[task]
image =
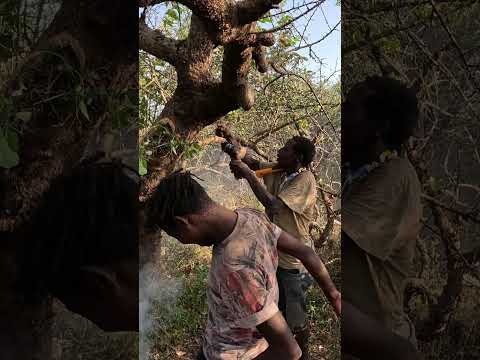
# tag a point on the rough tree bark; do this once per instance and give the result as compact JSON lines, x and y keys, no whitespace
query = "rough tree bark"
{"x":95,"y":44}
{"x":201,"y":99}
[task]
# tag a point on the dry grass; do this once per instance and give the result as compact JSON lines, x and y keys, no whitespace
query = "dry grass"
{"x":76,"y":338}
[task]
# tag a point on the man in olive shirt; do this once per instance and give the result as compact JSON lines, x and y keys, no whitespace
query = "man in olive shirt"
{"x":289,"y":198}
{"x":381,"y":208}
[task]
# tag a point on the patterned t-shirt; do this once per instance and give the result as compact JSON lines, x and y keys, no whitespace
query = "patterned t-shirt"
{"x":242,"y":288}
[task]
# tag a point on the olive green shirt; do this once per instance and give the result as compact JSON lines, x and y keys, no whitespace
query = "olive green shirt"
{"x":381,"y":214}
{"x":299,"y":196}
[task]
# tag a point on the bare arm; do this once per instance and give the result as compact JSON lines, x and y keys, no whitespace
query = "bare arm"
{"x":312,"y":262}
{"x":250,"y":160}
{"x":271,"y":203}
{"x":281,"y":343}
{"x":365,"y":338}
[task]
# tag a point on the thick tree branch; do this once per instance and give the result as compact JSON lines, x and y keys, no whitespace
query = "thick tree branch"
{"x":158,"y":45}
{"x":196,"y":71}
{"x":237,"y":59}
{"x":236,"y":63}
{"x":213,"y":12}
{"x":251,"y":10}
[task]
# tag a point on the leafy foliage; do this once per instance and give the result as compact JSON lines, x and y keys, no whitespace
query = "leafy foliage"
{"x":296,"y":101}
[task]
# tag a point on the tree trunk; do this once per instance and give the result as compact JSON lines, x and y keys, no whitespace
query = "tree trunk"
{"x":200,"y":99}
{"x":89,"y":45}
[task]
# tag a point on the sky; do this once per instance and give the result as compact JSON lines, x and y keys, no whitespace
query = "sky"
{"x":329,"y":50}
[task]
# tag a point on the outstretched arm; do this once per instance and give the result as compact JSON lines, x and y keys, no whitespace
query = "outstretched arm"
{"x":281,"y":343}
{"x":312,"y":262}
{"x":271,"y":203}
{"x":250,"y":160}
{"x":365,"y":338}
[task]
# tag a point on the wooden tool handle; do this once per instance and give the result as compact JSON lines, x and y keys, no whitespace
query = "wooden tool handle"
{"x":264,"y":172}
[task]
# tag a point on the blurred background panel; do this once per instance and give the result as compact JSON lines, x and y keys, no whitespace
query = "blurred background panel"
{"x":68,"y":90}
{"x":433,"y":46}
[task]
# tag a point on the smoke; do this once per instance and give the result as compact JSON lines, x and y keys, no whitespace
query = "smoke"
{"x":154,"y":290}
{"x":212,"y":167}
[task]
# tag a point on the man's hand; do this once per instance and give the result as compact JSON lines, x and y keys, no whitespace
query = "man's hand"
{"x":239,"y":169}
{"x":233,"y":147}
{"x":235,"y":151}
{"x":223,"y":130}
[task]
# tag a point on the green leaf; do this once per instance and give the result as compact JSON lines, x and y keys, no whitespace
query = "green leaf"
{"x":172,"y":13}
{"x":83,"y":109}
{"x":8,"y":157}
{"x":267,"y":20}
{"x":285,"y":19}
{"x":142,"y":166}
{"x":168,"y":22}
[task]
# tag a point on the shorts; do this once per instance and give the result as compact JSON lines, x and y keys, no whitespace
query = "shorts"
{"x":293,"y":285}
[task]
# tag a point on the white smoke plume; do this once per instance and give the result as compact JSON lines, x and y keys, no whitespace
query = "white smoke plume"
{"x":153,"y":288}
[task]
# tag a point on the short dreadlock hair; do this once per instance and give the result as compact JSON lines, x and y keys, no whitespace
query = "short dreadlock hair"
{"x":304,"y":147}
{"x":178,"y":194}
{"x":87,"y":217}
{"x":392,"y":101}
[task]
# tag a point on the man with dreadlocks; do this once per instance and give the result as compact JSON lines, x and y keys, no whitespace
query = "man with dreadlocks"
{"x":381,"y":208}
{"x":244,"y":321}
{"x":83,"y":244}
{"x":289,"y":196}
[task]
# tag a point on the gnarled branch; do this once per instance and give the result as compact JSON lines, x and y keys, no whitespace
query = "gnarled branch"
{"x":252,"y":10}
{"x":157,"y":44}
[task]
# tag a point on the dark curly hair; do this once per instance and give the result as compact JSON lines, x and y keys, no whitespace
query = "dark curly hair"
{"x":305,"y":148}
{"x":395,"y":105}
{"x":178,"y":194}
